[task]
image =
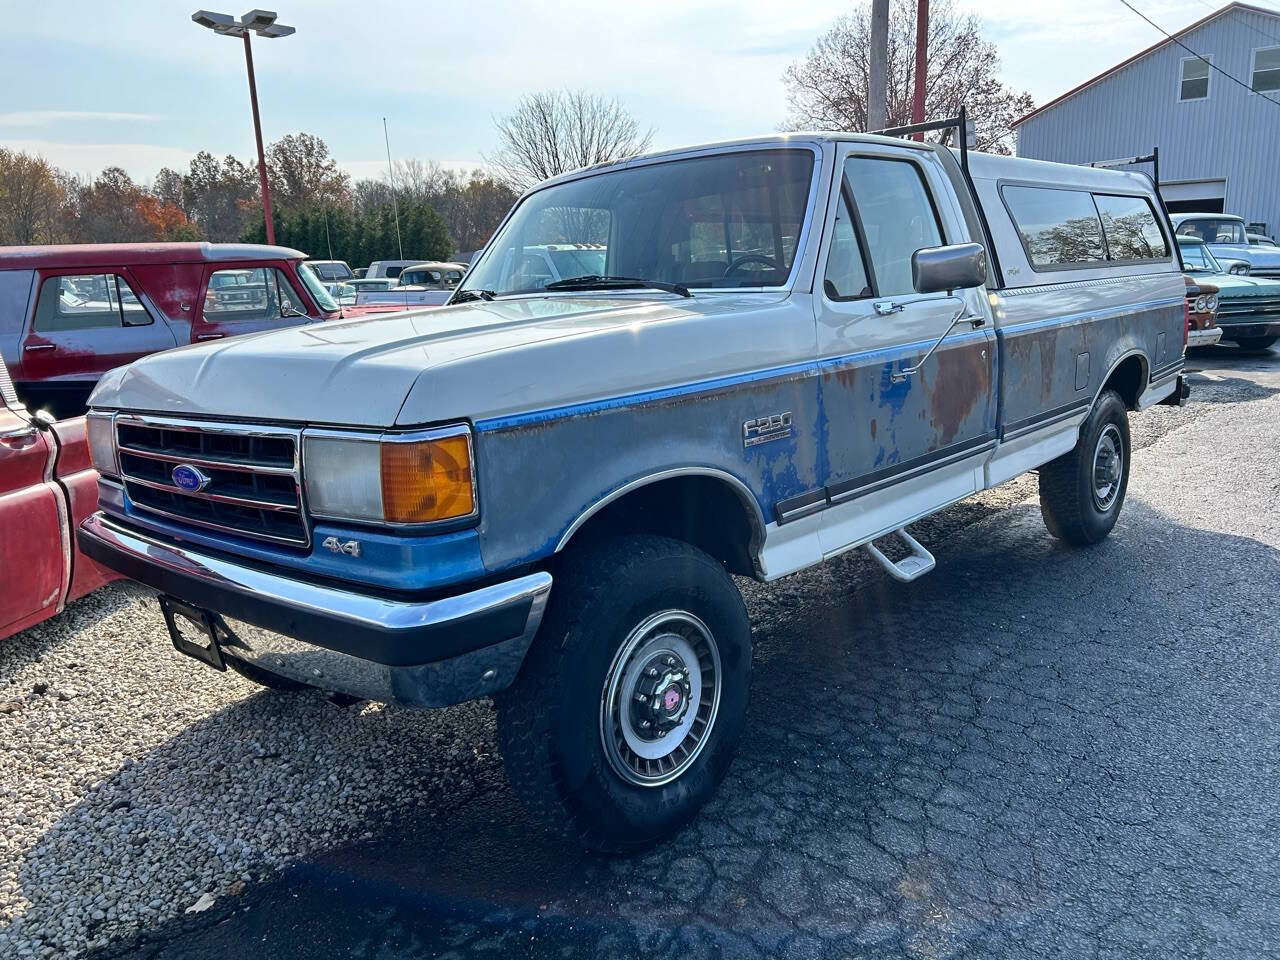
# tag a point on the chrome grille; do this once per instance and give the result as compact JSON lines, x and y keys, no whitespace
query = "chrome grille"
{"x":254,"y":487}
{"x":1248,"y":306}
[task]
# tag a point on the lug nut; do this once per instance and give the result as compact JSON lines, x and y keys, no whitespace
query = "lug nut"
{"x":651,"y":672}
{"x":641,"y":698}
{"x":645,"y":724}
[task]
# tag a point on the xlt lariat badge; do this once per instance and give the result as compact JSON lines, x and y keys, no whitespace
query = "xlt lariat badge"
{"x":764,"y":429}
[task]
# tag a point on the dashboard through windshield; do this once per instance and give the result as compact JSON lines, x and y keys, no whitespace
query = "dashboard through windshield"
{"x":730,"y":220}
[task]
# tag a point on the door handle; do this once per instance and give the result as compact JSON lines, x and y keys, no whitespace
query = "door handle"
{"x":210,"y":336}
{"x":886,"y":307}
{"x":17,"y":433}
{"x":33,"y":347}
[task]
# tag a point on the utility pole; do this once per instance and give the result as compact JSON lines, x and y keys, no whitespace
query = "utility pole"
{"x":877,"y":97}
{"x":922,"y":63}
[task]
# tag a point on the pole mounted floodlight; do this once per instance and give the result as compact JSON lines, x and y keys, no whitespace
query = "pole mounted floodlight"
{"x":263,"y":23}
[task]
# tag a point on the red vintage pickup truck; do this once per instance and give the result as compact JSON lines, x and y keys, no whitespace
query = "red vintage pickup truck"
{"x":70,"y":313}
{"x":47,"y":487}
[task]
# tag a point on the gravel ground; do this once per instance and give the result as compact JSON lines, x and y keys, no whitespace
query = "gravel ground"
{"x":132,"y":794}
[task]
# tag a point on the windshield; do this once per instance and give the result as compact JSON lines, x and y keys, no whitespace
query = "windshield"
{"x":1213,"y":231}
{"x":730,"y":220}
{"x":314,"y":287}
{"x":1196,"y":258}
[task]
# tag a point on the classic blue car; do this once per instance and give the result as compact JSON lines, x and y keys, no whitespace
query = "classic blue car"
{"x":1248,"y":307}
{"x":1227,"y":239}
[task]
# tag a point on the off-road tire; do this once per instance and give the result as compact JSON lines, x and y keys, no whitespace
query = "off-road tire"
{"x":550,"y":722}
{"x":1256,"y":344}
{"x":1067,"y":484}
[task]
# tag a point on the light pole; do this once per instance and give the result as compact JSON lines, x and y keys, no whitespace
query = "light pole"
{"x":263,"y":23}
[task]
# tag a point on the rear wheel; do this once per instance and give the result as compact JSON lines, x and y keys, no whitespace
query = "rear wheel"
{"x":627,"y":712}
{"x":1256,"y":343}
{"x":1081,"y":492}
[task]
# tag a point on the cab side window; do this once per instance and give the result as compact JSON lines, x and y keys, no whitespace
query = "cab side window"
{"x":86,"y":302}
{"x":258,"y":295}
{"x":846,"y":274}
{"x":898,"y":218}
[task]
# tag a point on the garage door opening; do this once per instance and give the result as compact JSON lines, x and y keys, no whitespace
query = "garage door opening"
{"x":1194,"y":196}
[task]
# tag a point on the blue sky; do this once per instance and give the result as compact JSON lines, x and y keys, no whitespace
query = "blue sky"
{"x":139,"y":85}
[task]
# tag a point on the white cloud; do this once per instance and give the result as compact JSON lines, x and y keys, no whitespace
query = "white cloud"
{"x":140,"y":160}
{"x":48,"y":118}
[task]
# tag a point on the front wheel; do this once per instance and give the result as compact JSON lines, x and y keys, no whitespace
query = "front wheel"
{"x":627,"y":712}
{"x":1081,"y":492}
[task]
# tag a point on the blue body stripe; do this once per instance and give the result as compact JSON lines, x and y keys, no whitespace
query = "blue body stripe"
{"x":806,"y":368}
{"x":1088,"y":315}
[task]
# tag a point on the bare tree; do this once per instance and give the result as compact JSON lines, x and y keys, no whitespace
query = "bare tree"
{"x":556,"y":131}
{"x":827,"y":89}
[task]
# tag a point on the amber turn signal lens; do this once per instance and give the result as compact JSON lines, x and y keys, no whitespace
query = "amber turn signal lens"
{"x":427,"y":480}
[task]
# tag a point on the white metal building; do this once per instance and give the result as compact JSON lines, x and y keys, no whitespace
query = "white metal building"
{"x":1219,"y":140}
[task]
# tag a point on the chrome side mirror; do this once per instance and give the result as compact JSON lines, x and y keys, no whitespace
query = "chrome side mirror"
{"x":958,"y":266}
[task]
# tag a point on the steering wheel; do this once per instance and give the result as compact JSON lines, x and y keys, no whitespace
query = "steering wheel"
{"x":769,"y":262}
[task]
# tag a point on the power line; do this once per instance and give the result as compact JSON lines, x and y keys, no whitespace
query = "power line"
{"x":1209,"y":63}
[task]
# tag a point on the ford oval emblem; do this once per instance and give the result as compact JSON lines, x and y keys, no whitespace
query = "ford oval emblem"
{"x":189,"y":478}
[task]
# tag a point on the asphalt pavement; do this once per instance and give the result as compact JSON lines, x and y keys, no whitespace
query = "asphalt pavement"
{"x":1032,"y":752}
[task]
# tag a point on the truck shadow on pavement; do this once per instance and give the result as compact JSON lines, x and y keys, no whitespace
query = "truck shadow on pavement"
{"x":1032,"y":750}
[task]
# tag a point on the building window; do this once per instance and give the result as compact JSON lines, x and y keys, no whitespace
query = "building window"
{"x":1266,"y":69}
{"x":1195,"y":79}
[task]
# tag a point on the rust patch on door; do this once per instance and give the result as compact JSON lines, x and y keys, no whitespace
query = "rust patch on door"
{"x":960,"y":385}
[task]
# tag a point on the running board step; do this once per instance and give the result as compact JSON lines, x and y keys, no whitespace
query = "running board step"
{"x":909,"y":568}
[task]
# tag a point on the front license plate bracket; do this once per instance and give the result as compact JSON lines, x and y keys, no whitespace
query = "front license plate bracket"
{"x":194,"y":631}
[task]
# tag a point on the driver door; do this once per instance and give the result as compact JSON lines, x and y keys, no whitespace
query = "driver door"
{"x":246,"y":299}
{"x":899,"y":446}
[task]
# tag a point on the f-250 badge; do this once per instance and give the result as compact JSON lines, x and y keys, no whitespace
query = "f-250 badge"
{"x":763,"y":429}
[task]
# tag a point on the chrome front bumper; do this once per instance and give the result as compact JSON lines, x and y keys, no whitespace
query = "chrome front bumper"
{"x":426,"y":653}
{"x":1204,"y":338}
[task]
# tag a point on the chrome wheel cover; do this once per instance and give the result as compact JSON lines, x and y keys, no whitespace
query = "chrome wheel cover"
{"x":1108,"y":467}
{"x":660,"y":698}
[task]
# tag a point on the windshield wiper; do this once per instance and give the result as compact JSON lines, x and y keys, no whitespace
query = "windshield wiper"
{"x":595,"y":281}
{"x":466,"y":296}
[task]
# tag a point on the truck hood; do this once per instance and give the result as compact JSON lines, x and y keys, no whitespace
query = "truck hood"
{"x":1256,"y":256}
{"x":1232,"y":286}
{"x":471,"y":361}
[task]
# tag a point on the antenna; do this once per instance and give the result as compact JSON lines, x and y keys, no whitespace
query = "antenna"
{"x":327,"y":239}
{"x":391,"y":178}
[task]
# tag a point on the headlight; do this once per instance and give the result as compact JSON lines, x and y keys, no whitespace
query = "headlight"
{"x":1212,"y":304}
{"x":389,"y":478}
{"x":1202,"y":304}
{"x":100,"y":428}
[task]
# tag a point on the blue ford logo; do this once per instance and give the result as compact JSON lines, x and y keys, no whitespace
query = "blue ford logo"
{"x":189,"y":478}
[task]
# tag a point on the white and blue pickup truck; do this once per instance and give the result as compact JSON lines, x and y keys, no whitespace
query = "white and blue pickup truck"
{"x":789,"y":347}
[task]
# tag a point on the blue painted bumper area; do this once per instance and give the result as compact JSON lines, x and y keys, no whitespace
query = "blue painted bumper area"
{"x":390,"y":561}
